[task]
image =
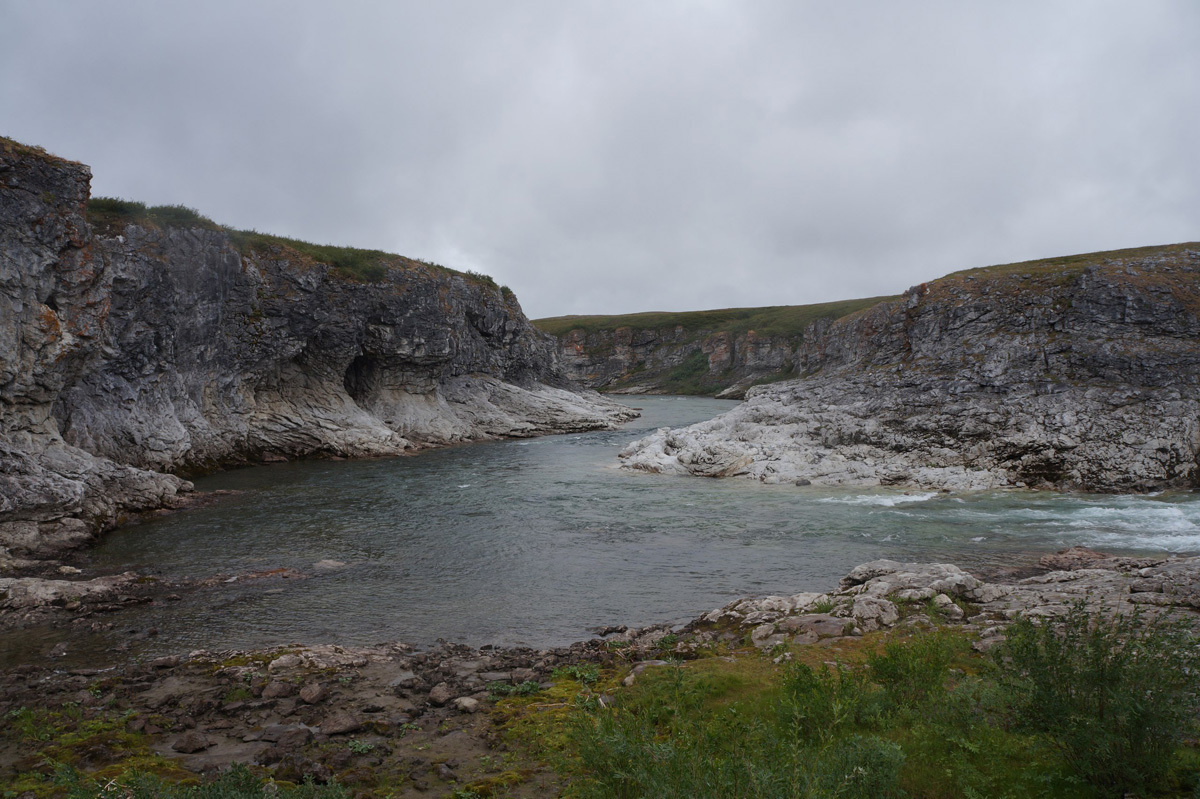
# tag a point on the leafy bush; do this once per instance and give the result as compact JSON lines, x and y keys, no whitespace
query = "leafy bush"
{"x":586,"y":673}
{"x":914,"y":670}
{"x":818,"y":704}
{"x":1116,"y":693}
{"x":857,"y":767}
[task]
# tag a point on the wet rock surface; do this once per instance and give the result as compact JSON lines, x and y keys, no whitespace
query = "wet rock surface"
{"x":1082,"y":373}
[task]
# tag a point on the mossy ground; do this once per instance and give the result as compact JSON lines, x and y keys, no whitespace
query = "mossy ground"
{"x":911,"y":712}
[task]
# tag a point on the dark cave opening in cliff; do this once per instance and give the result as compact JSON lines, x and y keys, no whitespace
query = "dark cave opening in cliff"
{"x":359,"y":376}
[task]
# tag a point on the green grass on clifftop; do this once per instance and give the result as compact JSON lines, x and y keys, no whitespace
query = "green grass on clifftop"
{"x":113,"y":214}
{"x":776,"y":320}
{"x":1072,"y":263}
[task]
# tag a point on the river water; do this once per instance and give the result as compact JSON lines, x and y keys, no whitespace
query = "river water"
{"x":536,"y":541}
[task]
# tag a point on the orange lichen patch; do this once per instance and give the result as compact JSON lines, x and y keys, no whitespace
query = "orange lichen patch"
{"x":49,"y":323}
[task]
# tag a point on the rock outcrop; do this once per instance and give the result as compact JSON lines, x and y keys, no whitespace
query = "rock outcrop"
{"x":1076,"y":373}
{"x":132,"y":353}
{"x":884,"y":593}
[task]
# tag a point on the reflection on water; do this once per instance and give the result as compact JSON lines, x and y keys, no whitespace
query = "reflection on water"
{"x":535,"y":541}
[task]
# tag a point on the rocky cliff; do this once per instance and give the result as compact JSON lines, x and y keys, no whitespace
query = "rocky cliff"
{"x":133,"y":351}
{"x":1072,"y":373}
{"x":721,"y":352}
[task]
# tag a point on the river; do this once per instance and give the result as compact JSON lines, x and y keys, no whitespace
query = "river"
{"x":536,"y":541}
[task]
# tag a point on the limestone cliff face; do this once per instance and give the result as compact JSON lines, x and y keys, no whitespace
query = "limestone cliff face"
{"x":151,"y":350}
{"x":627,"y":360}
{"x":1080,"y":373}
{"x":719,"y":352}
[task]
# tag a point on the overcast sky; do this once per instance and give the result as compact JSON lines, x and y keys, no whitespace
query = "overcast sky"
{"x":610,"y":157}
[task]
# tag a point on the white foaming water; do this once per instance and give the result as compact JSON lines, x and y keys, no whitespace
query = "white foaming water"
{"x":1145,"y":516}
{"x":1138,"y":524}
{"x":882,"y":500}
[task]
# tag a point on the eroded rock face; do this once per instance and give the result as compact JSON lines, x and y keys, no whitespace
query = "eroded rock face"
{"x":1083,"y":374}
{"x":126,"y":356}
{"x":214,"y":357}
{"x":627,"y":360}
{"x":54,"y":301}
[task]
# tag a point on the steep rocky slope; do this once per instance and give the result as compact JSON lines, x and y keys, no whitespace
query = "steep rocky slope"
{"x":1072,"y":373}
{"x":721,"y":352}
{"x":138,"y":349}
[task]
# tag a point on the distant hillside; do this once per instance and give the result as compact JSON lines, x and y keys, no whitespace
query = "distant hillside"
{"x":724,"y":352}
{"x":693,"y":352}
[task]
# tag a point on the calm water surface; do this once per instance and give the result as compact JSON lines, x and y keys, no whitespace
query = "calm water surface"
{"x":536,"y":541}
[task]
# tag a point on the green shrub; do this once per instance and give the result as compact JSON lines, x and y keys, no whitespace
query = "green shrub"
{"x":914,"y":670}
{"x":479,"y":277}
{"x":1116,"y":694}
{"x":586,"y":673}
{"x":819,"y":703}
{"x":500,"y":690}
{"x":857,"y":767}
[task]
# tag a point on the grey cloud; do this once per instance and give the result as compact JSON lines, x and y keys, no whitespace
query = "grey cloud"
{"x":614,"y":157}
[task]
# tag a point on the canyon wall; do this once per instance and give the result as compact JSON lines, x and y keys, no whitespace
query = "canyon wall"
{"x":1074,"y":373}
{"x":132,"y":354}
{"x":720,"y":353}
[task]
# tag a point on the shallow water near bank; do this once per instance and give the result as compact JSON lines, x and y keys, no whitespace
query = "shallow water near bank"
{"x":536,"y":541}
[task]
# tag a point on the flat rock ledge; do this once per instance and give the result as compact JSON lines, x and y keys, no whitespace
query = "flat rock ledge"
{"x":886,"y":593}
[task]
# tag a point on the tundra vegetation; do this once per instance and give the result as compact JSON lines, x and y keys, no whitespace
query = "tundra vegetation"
{"x":1088,"y":705}
{"x":111,"y":214}
{"x":778,"y":320}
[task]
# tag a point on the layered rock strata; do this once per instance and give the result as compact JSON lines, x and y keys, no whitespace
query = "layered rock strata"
{"x":721,"y":352}
{"x":1079,"y":373}
{"x":130,"y":355}
{"x":627,"y":360}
